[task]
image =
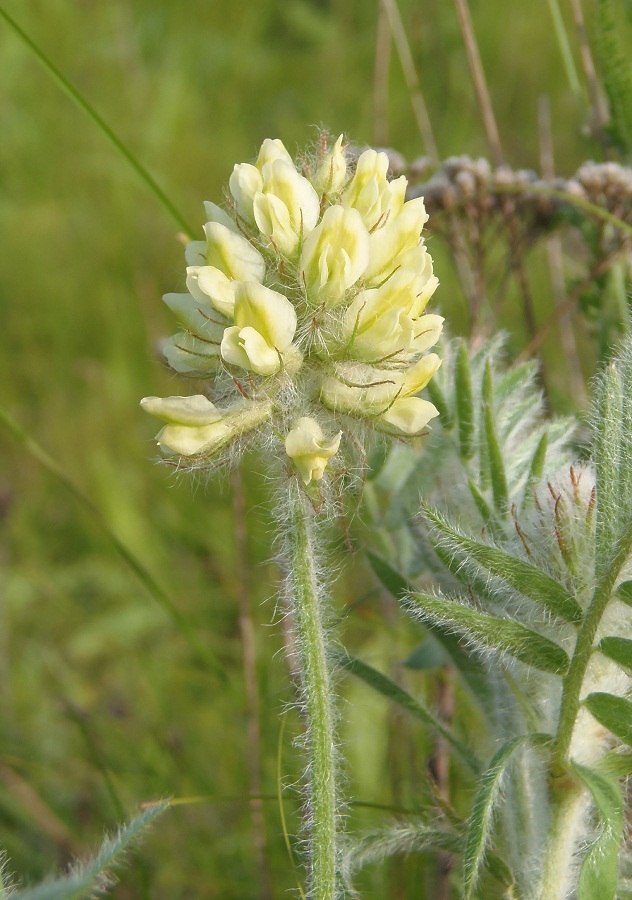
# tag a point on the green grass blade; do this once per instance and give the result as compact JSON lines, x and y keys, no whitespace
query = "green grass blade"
{"x":616,"y":73}
{"x":94,"y":116}
{"x":481,"y":820}
{"x":144,"y":576}
{"x":565,"y":50}
{"x":617,"y":649}
{"x":93,"y":874}
{"x":599,"y":874}
{"x":492,"y":633}
{"x":520,"y":575}
{"x":390,"y":689}
{"x":614,"y":713}
{"x":467,"y":664}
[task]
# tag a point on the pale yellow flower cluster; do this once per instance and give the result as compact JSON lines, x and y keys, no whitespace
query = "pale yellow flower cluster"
{"x":305,"y":305}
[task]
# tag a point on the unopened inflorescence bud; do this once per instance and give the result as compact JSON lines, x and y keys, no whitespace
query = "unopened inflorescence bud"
{"x":305,"y":306}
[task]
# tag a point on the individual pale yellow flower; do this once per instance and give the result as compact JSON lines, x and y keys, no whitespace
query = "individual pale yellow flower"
{"x":309,"y":449}
{"x":228,"y":251}
{"x":397,"y":242}
{"x":286,"y":208}
{"x":335,"y":255}
{"x":388,"y":321}
{"x":195,"y":426}
{"x":361,"y":390}
{"x":265,"y":324}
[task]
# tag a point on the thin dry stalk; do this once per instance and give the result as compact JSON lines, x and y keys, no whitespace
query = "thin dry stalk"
{"x":478,"y":77}
{"x":420,"y":109}
{"x":247,"y":632}
{"x":380,"y":78}
{"x":599,"y":110}
{"x":599,"y":269}
{"x":555,"y":255}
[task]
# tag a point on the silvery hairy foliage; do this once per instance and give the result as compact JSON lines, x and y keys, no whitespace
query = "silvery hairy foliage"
{"x":517,"y":566}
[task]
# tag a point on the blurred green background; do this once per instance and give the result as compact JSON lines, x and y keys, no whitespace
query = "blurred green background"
{"x":102,"y":703}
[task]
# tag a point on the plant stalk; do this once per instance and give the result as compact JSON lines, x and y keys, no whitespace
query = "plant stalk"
{"x":574,"y":678}
{"x":305,"y":597}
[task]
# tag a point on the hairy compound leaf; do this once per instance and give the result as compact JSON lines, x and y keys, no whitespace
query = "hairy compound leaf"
{"x":465,"y":403}
{"x":402,"y":837}
{"x":614,"y":713}
{"x":467,"y":664}
{"x":481,"y":820}
{"x":607,"y":456}
{"x":617,"y":649}
{"x":520,"y":575}
{"x":485,"y":631}
{"x":490,"y":521}
{"x":92,"y":876}
{"x":600,"y":870}
{"x":388,"y":688}
{"x":494,"y":453}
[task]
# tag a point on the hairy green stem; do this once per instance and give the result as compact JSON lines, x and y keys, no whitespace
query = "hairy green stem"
{"x":568,"y":804}
{"x":583,"y":648}
{"x":305,"y":598}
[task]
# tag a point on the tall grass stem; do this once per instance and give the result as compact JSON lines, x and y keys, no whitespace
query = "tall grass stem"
{"x":92,"y":114}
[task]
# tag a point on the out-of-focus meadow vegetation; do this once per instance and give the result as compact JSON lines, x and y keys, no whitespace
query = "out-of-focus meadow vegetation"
{"x":103,"y":704}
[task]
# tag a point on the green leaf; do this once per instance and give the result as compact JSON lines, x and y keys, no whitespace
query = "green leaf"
{"x":437,"y":397}
{"x":401,"y":837}
{"x":92,"y":875}
{"x":624,"y":592}
{"x":486,"y":514}
{"x":616,"y":763}
{"x":464,"y":403}
{"x":481,"y":820}
{"x":599,"y":873}
{"x":522,"y":576}
{"x":536,"y":469}
{"x":614,"y":713}
{"x":496,"y":464}
{"x":617,"y":649}
{"x":503,"y":635}
{"x":468,"y":665}
{"x":388,"y":688}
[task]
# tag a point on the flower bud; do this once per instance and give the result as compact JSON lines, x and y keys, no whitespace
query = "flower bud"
{"x":331,"y":174}
{"x":376,"y":199}
{"x":309,"y":449}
